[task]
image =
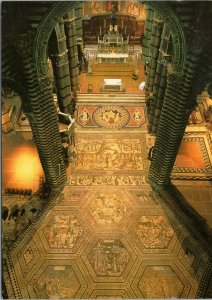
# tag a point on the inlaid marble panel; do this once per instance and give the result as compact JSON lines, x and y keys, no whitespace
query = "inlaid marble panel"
{"x":194,"y":157}
{"x":154,"y":232}
{"x":160,"y":282}
{"x":109,"y":257}
{"x":109,"y":154}
{"x":56,"y":282}
{"x":108,"y":209}
{"x":110,"y":116}
{"x":113,"y":180}
{"x":63,"y":231}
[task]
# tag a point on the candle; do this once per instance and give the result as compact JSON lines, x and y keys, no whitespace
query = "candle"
{"x":100,"y":30}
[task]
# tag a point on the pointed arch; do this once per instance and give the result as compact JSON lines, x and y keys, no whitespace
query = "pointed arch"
{"x":58,"y":10}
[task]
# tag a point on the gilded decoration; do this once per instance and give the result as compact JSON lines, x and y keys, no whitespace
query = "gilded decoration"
{"x":160,"y":282}
{"x":63,"y":231}
{"x":109,"y":257}
{"x":109,"y":154}
{"x":108,"y":209}
{"x":154,"y":232}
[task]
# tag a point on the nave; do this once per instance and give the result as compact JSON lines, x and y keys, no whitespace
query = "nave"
{"x":108,"y":234}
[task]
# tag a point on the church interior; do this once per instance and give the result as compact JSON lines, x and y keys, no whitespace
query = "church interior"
{"x":106,"y":149}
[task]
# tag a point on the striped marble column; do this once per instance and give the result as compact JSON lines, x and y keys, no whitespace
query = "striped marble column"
{"x":71,"y":38}
{"x":60,"y":64}
{"x":78,"y":20}
{"x":157,"y":28}
{"x":173,"y":120}
{"x":147,"y":35}
{"x":43,"y":121}
{"x":160,"y":81}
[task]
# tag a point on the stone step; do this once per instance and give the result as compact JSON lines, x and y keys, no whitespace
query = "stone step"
{"x":90,"y":95}
{"x":111,"y":98}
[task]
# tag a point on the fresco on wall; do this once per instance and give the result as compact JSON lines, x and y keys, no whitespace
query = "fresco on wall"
{"x":122,"y":7}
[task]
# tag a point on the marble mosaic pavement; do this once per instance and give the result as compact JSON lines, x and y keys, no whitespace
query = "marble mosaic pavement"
{"x":108,"y":234}
{"x":100,"y":242}
{"x":110,"y":116}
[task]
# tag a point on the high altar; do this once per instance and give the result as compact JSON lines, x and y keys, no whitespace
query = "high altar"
{"x":112,"y":47}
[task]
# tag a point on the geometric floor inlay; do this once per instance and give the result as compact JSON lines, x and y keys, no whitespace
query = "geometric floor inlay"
{"x":107,"y":234}
{"x":110,"y":116}
{"x":193,"y":159}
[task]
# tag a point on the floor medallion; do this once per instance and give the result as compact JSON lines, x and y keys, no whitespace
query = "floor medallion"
{"x":111,"y":116}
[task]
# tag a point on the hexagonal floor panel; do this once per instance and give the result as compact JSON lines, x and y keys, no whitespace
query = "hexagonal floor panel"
{"x":95,"y":240}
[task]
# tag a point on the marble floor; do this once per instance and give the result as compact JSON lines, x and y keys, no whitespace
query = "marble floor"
{"x":108,"y":234}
